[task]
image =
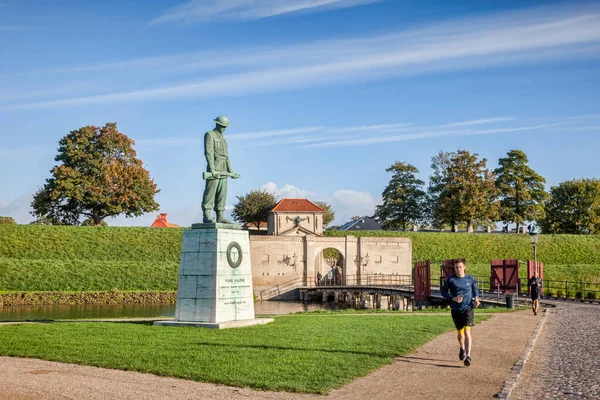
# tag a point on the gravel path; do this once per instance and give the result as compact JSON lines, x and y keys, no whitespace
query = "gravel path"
{"x":565,"y":362}
{"x":433,"y":371}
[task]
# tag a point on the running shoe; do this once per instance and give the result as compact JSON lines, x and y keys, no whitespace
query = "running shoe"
{"x":461,"y":354}
{"x":467,"y":361}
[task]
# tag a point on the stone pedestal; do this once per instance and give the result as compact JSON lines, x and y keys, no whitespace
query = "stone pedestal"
{"x":215,"y":279}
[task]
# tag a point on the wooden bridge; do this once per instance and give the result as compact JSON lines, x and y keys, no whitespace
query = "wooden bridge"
{"x":357,"y":291}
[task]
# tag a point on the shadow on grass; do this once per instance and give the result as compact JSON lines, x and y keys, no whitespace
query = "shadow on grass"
{"x":269,"y":347}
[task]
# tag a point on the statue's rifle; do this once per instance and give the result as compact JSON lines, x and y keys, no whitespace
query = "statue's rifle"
{"x":218,"y":175}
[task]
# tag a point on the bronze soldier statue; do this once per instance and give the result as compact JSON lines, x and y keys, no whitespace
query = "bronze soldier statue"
{"x":218,"y":169}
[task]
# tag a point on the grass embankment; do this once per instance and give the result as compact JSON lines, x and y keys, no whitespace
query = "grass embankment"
{"x":63,"y":258}
{"x":328,"y":350}
{"x":565,"y":257}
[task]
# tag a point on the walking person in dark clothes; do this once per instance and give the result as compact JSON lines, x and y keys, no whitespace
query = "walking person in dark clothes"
{"x":536,"y":287}
{"x":461,"y":289}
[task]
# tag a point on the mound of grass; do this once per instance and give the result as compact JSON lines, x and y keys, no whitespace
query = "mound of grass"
{"x":96,"y":243}
{"x":81,"y":275}
{"x":71,"y":258}
{"x":481,"y":248}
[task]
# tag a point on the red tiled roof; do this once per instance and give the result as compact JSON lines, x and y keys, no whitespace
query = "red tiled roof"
{"x":161,"y":222}
{"x":296,"y":205}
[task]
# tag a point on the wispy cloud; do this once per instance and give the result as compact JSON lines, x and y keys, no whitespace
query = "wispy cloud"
{"x":476,"y":122}
{"x":206,"y":10}
{"x":272,"y":133}
{"x":426,"y":133}
{"x":340,"y":136}
{"x":540,"y":35}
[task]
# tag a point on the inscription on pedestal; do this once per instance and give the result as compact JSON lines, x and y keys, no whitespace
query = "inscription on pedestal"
{"x":215,"y":277}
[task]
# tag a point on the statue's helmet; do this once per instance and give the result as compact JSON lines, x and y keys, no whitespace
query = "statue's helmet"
{"x":221,"y":120}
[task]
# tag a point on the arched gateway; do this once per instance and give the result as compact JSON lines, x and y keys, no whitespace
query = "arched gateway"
{"x":289,"y":254}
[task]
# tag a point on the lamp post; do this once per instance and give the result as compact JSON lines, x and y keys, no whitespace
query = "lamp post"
{"x":534,"y":241}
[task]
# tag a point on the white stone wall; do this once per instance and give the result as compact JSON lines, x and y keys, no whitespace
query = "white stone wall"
{"x":386,"y":255}
{"x":271,"y":257}
{"x":270,"y":263}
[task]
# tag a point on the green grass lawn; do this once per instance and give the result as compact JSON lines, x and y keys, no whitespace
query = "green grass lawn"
{"x":297,"y":353}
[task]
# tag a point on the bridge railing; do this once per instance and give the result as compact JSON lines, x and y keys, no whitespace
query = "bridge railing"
{"x":563,"y":289}
{"x":281,"y":288}
{"x":568,"y":289}
{"x":363,"y":280}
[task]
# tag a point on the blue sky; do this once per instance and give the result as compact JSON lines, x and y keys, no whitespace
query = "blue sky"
{"x":322,"y":95}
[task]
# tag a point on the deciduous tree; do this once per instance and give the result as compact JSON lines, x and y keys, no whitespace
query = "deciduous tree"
{"x":98,"y":176}
{"x":574,"y":207}
{"x":404,"y":199}
{"x":254,"y":207}
{"x":437,"y":181}
{"x":469,"y":193}
{"x":328,"y":215}
{"x":522,"y":193}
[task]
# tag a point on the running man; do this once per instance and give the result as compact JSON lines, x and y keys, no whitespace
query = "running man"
{"x":536,"y":287}
{"x":461,"y":289}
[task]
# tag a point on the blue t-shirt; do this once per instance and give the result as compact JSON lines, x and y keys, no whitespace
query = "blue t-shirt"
{"x":465,"y":286}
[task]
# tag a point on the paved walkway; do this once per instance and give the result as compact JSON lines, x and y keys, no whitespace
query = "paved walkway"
{"x":565,"y":362}
{"x":433,"y":371}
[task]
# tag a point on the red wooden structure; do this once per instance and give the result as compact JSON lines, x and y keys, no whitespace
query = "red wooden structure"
{"x":422,"y":280}
{"x":504,"y":275}
{"x":530,"y":270}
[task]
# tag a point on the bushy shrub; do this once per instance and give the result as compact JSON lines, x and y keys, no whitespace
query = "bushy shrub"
{"x":591,"y":295}
{"x":7,"y":221}
{"x":90,"y":222}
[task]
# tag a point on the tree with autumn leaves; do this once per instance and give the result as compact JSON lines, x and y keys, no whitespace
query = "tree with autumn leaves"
{"x":461,"y":189}
{"x":467,"y":192}
{"x":98,"y":176}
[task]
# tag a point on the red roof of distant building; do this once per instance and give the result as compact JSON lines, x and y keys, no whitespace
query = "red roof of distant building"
{"x":161,"y":222}
{"x":296,"y":205}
